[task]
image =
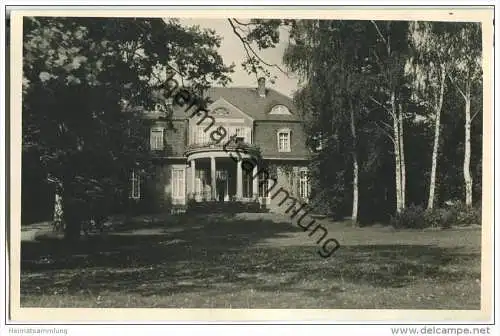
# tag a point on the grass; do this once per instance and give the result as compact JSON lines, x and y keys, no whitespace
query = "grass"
{"x":253,"y":261}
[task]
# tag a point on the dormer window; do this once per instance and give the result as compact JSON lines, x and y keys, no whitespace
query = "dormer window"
{"x":280,"y":109}
{"x":156,"y":138}
{"x":284,"y":140}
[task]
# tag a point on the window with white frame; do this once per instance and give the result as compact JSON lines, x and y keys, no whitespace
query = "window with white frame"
{"x":284,"y":140}
{"x":241,"y":133}
{"x":135,"y":190}
{"x":178,"y":183}
{"x":304,"y":186}
{"x":263,"y":184}
{"x":156,"y":138}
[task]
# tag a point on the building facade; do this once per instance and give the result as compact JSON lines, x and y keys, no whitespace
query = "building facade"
{"x":247,"y":144}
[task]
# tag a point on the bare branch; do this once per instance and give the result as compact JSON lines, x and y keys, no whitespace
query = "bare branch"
{"x":389,"y":135}
{"x":243,"y":24}
{"x":377,"y":58}
{"x":385,"y":124}
{"x":382,"y":105}
{"x":474,"y":115}
{"x":243,"y":41}
{"x":249,"y":49}
{"x":457,"y":86}
{"x":381,"y":65}
{"x":380,"y":34}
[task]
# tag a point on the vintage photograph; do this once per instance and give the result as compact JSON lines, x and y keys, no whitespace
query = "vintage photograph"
{"x":251,"y":163}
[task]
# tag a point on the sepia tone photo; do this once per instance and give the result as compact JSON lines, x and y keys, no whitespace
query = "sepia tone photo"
{"x":251,"y":163}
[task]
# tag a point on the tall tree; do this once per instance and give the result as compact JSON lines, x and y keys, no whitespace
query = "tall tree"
{"x":86,"y":82}
{"x":431,"y":46}
{"x":466,"y":73}
{"x":331,"y":58}
{"x":389,"y":55}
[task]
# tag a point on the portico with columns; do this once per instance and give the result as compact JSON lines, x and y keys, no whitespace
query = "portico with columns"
{"x":222,"y":176}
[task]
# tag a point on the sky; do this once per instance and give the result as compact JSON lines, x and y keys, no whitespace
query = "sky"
{"x":232,"y":51}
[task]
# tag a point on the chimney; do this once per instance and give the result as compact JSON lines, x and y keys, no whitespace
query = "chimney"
{"x":261,"y":89}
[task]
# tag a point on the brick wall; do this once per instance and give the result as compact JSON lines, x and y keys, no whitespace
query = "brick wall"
{"x":265,"y":135}
{"x":174,"y":138}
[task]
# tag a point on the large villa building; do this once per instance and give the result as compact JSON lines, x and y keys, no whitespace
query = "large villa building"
{"x":246,"y":146}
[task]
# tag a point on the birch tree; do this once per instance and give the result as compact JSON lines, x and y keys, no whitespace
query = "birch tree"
{"x":466,"y":72}
{"x":329,"y":56}
{"x":387,"y":63}
{"x":430,"y":41}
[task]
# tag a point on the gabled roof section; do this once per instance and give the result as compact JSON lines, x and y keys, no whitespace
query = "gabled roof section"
{"x":259,"y":108}
{"x":230,"y":109}
{"x":248,"y":102}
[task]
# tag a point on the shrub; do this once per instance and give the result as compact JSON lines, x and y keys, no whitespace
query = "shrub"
{"x":438,"y":218}
{"x":417,"y":217}
{"x":412,"y":217}
{"x":465,"y":215}
{"x":324,"y":203}
{"x":433,"y":218}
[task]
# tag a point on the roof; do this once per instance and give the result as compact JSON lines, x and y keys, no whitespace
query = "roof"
{"x":247,"y":100}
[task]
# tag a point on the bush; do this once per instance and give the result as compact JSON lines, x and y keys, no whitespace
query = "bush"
{"x":465,"y":215}
{"x":438,"y":218}
{"x":412,"y":217}
{"x":417,"y":217}
{"x":324,"y":203}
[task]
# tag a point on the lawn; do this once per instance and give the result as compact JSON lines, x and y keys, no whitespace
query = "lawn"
{"x":253,"y":261}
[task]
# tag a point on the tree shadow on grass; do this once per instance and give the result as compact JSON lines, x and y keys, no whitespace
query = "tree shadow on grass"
{"x":223,"y":255}
{"x":190,"y":237}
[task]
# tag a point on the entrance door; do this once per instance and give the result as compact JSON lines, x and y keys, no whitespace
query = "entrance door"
{"x":222,"y":185}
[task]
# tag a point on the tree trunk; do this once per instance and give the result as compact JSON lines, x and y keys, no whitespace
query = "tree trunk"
{"x":355,"y":171}
{"x":402,"y":157}
{"x":58,"y":218}
{"x":467,"y":151}
{"x":435,"y":148}
{"x":397,"y":153}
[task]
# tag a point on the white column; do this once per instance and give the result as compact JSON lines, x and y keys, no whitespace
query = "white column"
{"x":193,"y":178}
{"x":213,"y":176}
{"x":239,"y":181}
{"x":226,"y":197}
{"x":255,"y":180}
